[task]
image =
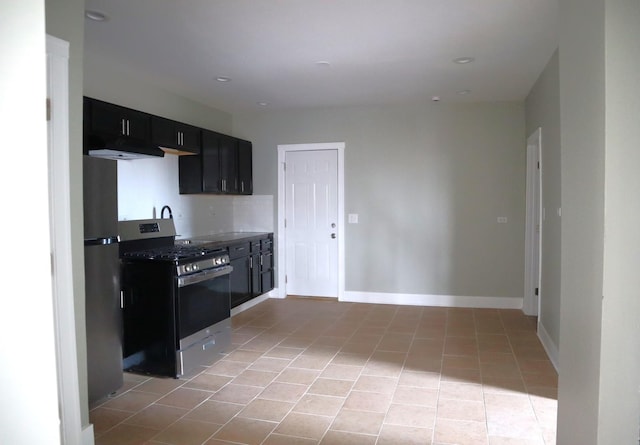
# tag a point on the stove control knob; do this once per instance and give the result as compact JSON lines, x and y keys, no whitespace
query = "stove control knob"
{"x":187,"y":267}
{"x":195,"y":267}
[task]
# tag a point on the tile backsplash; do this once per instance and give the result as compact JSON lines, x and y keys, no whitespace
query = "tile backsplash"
{"x":146,"y":185}
{"x":208,"y":215}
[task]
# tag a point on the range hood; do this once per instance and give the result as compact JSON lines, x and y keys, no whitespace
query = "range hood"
{"x":122,"y":148}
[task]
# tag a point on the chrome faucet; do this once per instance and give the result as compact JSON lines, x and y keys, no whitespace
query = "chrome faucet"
{"x":162,"y":212}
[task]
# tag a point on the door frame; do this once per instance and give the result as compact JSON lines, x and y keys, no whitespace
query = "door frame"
{"x":339,"y":147}
{"x":534,"y":217}
{"x":60,"y":229}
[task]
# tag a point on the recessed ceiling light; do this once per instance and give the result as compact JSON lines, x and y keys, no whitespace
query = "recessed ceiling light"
{"x":323,"y":64}
{"x":263,"y":104}
{"x":96,"y":16}
{"x":436,"y":98}
{"x":223,"y":79}
{"x":464,"y":92}
{"x":463,"y":60}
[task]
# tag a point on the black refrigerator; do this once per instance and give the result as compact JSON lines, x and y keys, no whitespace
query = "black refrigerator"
{"x":102,"y":277}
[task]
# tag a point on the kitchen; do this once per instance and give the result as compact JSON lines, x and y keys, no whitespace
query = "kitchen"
{"x":175,"y":291}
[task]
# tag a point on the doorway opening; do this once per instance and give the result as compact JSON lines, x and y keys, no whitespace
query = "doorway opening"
{"x":533,"y":227}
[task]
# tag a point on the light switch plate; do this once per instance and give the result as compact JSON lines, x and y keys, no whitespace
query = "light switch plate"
{"x":502,"y":219}
{"x":353,"y":218}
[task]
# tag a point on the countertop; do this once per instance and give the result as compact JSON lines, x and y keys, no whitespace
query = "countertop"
{"x":223,"y":239}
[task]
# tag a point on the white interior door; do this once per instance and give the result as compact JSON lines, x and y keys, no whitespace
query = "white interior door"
{"x":311,"y":223}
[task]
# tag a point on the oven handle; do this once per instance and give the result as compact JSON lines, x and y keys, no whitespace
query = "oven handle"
{"x":204,"y":275}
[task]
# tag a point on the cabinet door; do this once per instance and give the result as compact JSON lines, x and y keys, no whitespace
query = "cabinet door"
{"x":266,"y":261}
{"x":167,"y":133}
{"x":112,"y":120}
{"x":189,"y":138}
{"x":211,"y":181}
{"x":267,"y":281}
{"x":256,"y":284}
{"x":228,"y":153}
{"x":163,"y":132}
{"x":245,"y":167}
{"x":190,"y":174}
{"x":240,"y":281}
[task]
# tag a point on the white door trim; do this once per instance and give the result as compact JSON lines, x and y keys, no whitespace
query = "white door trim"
{"x":61,"y":257}
{"x":533,"y":243}
{"x":281,"y":237}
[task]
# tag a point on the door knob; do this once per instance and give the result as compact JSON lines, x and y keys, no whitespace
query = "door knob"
{"x":333,"y":236}
{"x":333,"y":225}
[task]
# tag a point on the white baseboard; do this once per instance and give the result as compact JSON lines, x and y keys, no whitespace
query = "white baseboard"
{"x":433,"y":300}
{"x":88,"y":436}
{"x":549,"y":346}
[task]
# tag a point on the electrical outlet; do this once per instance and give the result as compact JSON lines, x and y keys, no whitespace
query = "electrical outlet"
{"x":502,"y":219}
{"x":353,"y":218}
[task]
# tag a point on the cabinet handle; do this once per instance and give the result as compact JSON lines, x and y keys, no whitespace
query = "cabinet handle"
{"x":251,"y":262}
{"x":123,"y":127}
{"x":242,"y":186}
{"x":128,"y":133}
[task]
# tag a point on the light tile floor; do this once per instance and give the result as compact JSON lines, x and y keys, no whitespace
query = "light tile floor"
{"x":305,"y":371}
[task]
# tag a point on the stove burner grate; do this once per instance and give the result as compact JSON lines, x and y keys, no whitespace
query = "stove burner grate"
{"x":173,"y":253}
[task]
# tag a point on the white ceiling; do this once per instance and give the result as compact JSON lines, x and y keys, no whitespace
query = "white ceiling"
{"x":380,"y":51}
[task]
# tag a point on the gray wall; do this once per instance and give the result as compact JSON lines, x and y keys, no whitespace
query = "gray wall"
{"x":582,"y":105}
{"x":542,"y":109}
{"x":428,"y":182}
{"x":620,"y":353}
{"x":599,"y":341}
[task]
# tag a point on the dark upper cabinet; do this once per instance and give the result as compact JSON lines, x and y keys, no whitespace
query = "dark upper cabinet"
{"x":228,"y":155}
{"x":211,"y":180}
{"x":116,"y":132}
{"x":113,"y":120}
{"x":219,"y":169}
{"x":245,"y":167}
{"x":175,"y":136}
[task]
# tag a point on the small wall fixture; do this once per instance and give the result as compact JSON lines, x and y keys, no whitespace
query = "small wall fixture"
{"x":96,"y":16}
{"x":223,"y":79}
{"x":463,"y":60}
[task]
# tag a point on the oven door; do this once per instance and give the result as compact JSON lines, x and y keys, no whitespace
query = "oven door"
{"x":203,"y":300}
{"x":202,"y":318}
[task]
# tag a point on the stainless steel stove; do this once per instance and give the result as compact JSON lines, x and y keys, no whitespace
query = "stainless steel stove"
{"x":175,"y":300}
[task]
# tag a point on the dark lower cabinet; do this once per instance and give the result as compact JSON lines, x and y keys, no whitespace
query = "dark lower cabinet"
{"x":240,"y":279}
{"x":253,"y":272}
